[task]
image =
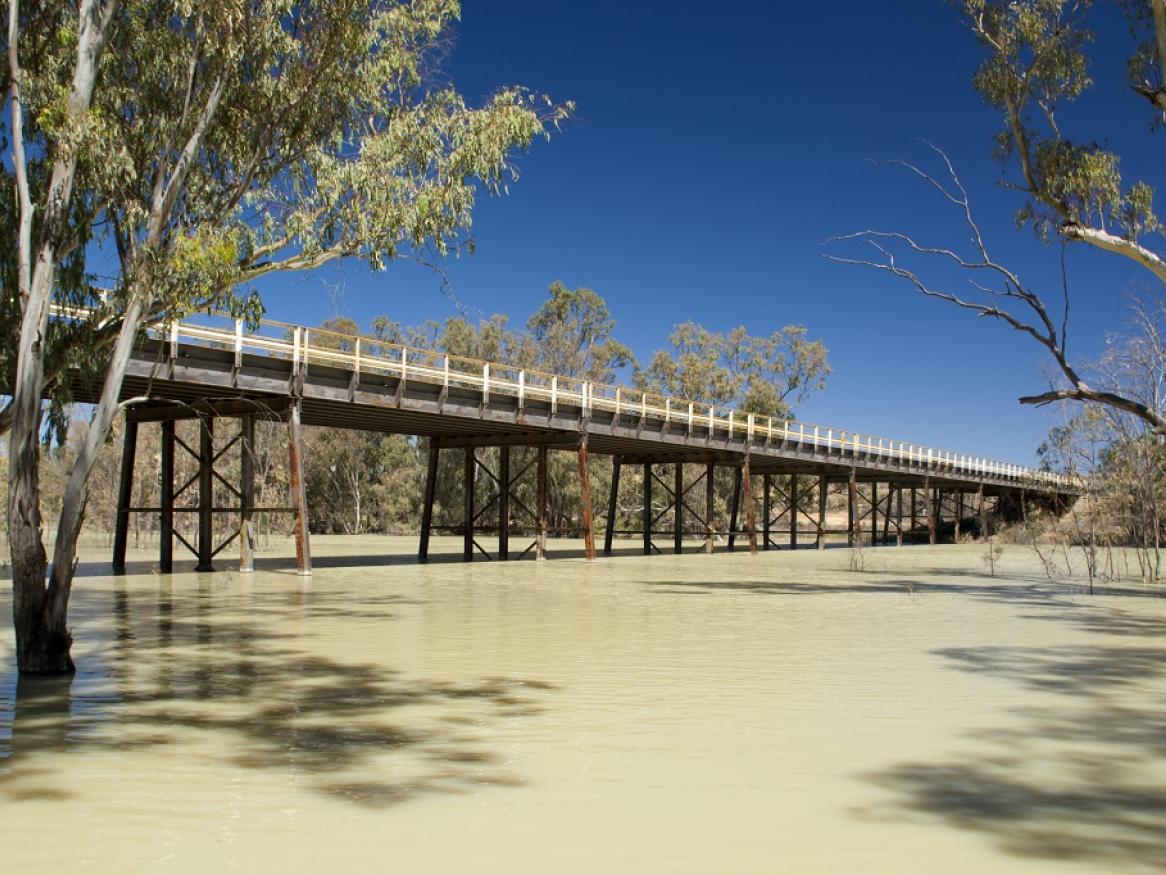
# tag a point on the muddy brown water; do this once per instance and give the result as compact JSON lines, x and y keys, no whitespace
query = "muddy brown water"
{"x":776,"y":713}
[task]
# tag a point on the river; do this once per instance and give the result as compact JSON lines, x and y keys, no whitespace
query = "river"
{"x":735,"y":713}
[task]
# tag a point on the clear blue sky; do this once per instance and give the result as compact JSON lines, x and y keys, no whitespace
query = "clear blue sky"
{"x":715,"y":149}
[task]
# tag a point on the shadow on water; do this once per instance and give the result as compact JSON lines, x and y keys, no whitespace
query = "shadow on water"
{"x":1064,"y":781}
{"x":177,"y":672}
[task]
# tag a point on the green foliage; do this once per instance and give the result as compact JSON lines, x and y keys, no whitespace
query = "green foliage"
{"x":1036,"y":60}
{"x":761,"y":375}
{"x":230,"y":140}
{"x":570,"y":335}
{"x":572,"y":332}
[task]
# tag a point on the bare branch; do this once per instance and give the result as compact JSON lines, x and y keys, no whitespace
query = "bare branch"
{"x":1109,"y":399}
{"x":1042,"y":330}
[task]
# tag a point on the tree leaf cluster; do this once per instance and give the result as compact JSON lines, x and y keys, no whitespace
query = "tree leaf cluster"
{"x":761,"y":374}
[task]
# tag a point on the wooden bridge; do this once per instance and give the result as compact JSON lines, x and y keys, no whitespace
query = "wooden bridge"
{"x":211,"y":370}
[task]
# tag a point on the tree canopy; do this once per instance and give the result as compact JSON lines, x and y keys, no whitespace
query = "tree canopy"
{"x":163,"y":154}
{"x":756,"y":374}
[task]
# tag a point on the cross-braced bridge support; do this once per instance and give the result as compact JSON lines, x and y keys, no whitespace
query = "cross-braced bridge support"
{"x":215,"y":465}
{"x":503,"y":501}
{"x":667,"y":503}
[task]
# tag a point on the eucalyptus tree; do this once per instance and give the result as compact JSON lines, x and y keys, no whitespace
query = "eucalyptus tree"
{"x":756,"y":374}
{"x":173,"y":152}
{"x":1068,"y":183}
{"x":572,"y":332}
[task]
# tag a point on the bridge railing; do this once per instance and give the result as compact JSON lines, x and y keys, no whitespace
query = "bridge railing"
{"x":306,"y":347}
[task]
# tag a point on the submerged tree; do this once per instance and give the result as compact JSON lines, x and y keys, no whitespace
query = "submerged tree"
{"x":194,"y":148}
{"x":1071,"y":190}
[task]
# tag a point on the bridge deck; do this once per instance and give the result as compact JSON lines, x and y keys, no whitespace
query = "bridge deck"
{"x":416,"y":392}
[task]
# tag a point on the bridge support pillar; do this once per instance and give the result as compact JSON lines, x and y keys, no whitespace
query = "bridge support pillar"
{"x":709,"y":494}
{"x":166,"y":523}
{"x":766,"y":511}
{"x":929,"y":495}
{"x":540,"y":547}
{"x":734,"y":504}
{"x":299,"y":496}
{"x":914,"y":508}
{"x":982,"y":513}
{"x":206,"y":488}
{"x":874,"y":513}
{"x":959,"y":512}
{"x":612,"y":505}
{"x":246,"y":494}
{"x":468,"y":506}
{"x":504,"y":503}
{"x":585,"y":499}
{"x":125,"y":492}
{"x":851,"y":509}
{"x":823,"y":488}
{"x":646,"y":512}
{"x":887,"y":513}
{"x":750,"y":505}
{"x":794,"y":503}
{"x":899,"y":519}
{"x":427,"y":500}
{"x":677,"y":512}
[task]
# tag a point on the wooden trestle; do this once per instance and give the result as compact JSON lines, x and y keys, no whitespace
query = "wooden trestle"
{"x":209,"y":459}
{"x":782,"y":475}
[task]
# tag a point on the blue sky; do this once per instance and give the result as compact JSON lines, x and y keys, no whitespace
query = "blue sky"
{"x":715,"y":149}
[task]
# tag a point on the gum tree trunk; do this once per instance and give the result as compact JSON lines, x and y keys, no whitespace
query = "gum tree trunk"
{"x":38,"y":611}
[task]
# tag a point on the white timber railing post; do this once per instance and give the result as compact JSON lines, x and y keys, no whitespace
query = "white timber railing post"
{"x":486,"y":384}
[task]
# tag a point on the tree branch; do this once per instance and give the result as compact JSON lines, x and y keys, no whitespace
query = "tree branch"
{"x":1159,"y":9}
{"x":165,"y":203}
{"x":1119,"y":245}
{"x":1043,"y":331}
{"x":1083,"y":392}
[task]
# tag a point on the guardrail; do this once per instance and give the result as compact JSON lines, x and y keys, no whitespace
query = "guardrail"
{"x":307,"y":346}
